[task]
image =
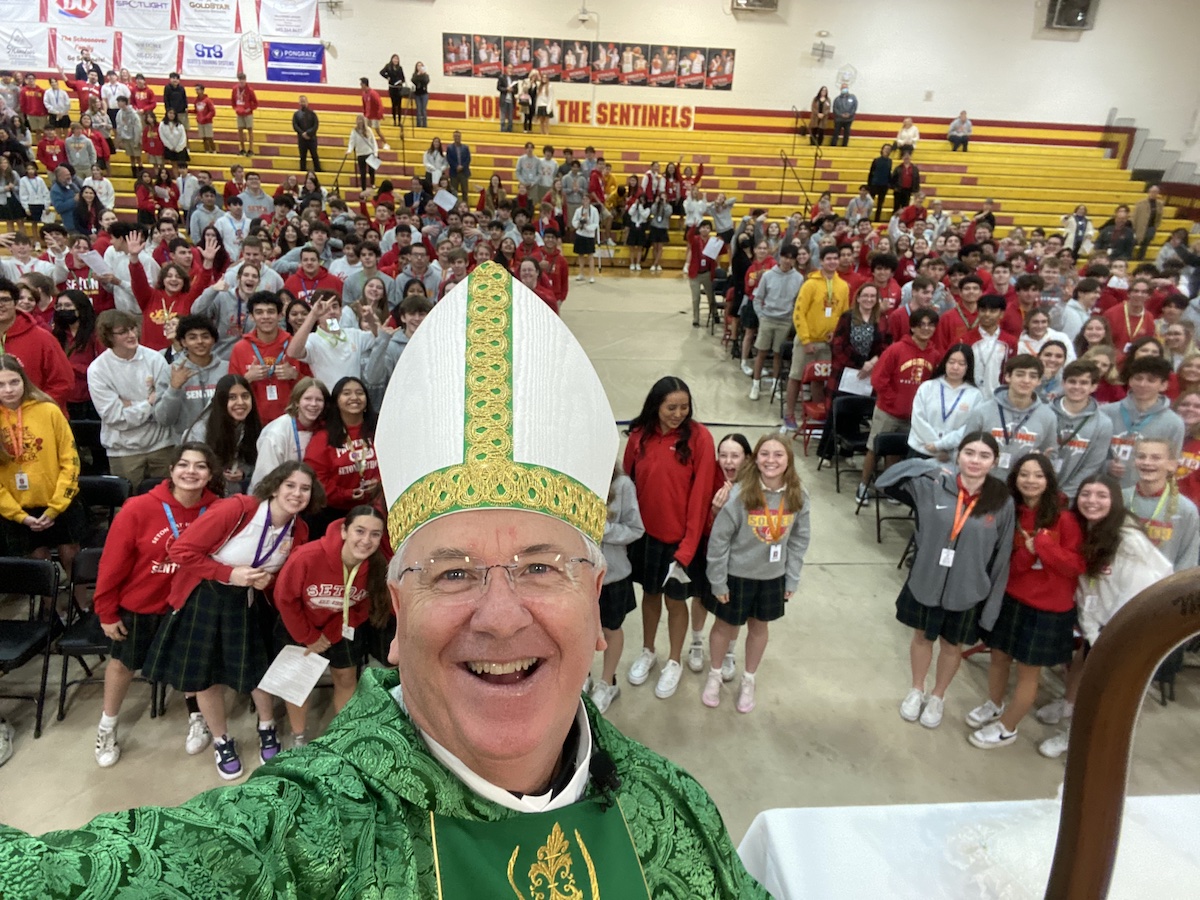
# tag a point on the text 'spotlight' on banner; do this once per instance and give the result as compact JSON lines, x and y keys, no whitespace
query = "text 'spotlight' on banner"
{"x":20,"y":11}
{"x":25,"y":46}
{"x":211,"y":56}
{"x":144,"y":15}
{"x":214,"y":16}
{"x":75,"y":13}
{"x":302,"y":62}
{"x":148,"y":52}
{"x":288,"y":18}
{"x":69,"y":41}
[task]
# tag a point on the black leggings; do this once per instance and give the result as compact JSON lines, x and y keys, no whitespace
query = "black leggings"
{"x":879,"y":195}
{"x":817,"y":136}
{"x":366,"y":175}
{"x":397,"y":102}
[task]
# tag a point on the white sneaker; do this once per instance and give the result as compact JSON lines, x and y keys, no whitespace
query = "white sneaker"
{"x":1054,"y":747}
{"x":579,"y":278}
{"x":755,"y":388}
{"x":603,"y":695}
{"x":728,"y":667}
{"x":198,"y":736}
{"x":710,"y":696}
{"x":910,"y":707}
{"x":6,"y":738}
{"x":989,"y":737}
{"x":696,"y":656}
{"x":299,"y":740}
{"x":1055,"y":711}
{"x":747,"y":369}
{"x":931,"y":716}
{"x":985,"y":714}
{"x":591,"y":281}
{"x":387,"y":147}
{"x":632,"y":267}
{"x":108,"y":751}
{"x":589,"y":684}
{"x":745,"y":700}
{"x":668,"y":680}
{"x":637,"y":268}
{"x":640,"y":670}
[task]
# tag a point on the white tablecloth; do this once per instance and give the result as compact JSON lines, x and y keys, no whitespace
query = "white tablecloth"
{"x":962,"y":851}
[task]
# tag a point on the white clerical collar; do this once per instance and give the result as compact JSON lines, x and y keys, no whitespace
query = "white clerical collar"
{"x":530,"y":803}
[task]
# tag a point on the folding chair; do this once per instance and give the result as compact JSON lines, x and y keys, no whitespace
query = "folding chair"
{"x":87,"y":437}
{"x":779,"y":388}
{"x":842,"y":407}
{"x":813,"y":414}
{"x":22,"y":640}
{"x":893,"y":444}
{"x":106,"y":492}
{"x":719,"y":305}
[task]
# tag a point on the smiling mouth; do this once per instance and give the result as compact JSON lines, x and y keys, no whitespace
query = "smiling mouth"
{"x":503,"y":673}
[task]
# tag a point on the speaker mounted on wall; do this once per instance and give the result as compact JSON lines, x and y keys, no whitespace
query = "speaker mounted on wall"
{"x":1071,"y":15}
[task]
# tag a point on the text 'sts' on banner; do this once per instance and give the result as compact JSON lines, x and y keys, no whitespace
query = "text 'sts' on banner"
{"x":296,"y":61}
{"x":211,"y":56}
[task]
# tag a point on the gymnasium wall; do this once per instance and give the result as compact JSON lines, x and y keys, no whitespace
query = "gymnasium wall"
{"x":988,"y":56}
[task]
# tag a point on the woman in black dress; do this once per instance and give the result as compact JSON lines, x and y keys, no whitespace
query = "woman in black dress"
{"x":393,"y":73}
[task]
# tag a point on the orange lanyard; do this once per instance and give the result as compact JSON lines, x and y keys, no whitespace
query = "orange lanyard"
{"x":775,"y":528}
{"x":961,"y":515}
{"x":16,"y":435}
{"x":1129,"y":331}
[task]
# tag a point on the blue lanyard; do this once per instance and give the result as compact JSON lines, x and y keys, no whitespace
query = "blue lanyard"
{"x":296,"y":436}
{"x":259,"y":558}
{"x":263,"y":362}
{"x":171,"y":518}
{"x":1008,"y":438}
{"x":1129,"y":422}
{"x":946,"y":415}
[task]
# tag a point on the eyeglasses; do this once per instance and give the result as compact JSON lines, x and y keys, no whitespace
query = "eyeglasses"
{"x":530,"y":575}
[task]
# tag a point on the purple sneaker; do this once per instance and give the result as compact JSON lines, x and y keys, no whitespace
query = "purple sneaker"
{"x":268,"y":744}
{"x":229,"y":766}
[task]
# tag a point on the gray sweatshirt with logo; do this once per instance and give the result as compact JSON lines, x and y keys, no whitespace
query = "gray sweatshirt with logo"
{"x":1018,"y":431}
{"x":740,"y":543}
{"x":1128,"y":424}
{"x":1082,"y":444}
{"x":622,"y":527}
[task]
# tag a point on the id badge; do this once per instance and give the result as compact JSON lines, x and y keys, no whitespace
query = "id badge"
{"x":1090,"y":601}
{"x":272,"y":392}
{"x":1123,"y":452}
{"x":1037,"y":564}
{"x":1057,"y":464}
{"x":947,"y":558}
{"x":22,"y":481}
{"x":1005,"y":461}
{"x":776,"y":553}
{"x":348,"y":632}
{"x":829,"y":312}
{"x":333,"y":325}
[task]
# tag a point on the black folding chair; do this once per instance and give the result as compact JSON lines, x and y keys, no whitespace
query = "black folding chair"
{"x":106,"y":493}
{"x":846,"y":407}
{"x":779,"y":388}
{"x":23,"y":640}
{"x":87,"y":437}
{"x":146,"y":485}
{"x":891,"y":444}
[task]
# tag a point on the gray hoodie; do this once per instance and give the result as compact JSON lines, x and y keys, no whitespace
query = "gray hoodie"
{"x":776,"y":292}
{"x":981,"y":552}
{"x":622,"y":527}
{"x":1172,"y":523}
{"x":224,"y":308}
{"x":1082,"y":444}
{"x":1017,"y":431}
{"x":1159,"y":421}
{"x":740,"y":544}
{"x":380,"y":362}
{"x":133,"y":429}
{"x":179,"y":408}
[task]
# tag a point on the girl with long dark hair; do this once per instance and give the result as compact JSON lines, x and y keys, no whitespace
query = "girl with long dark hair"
{"x":231,"y":426}
{"x":74,"y":327}
{"x":343,"y":453}
{"x":943,"y":403}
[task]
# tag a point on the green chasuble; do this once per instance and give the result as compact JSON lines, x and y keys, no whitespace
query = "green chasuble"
{"x":349,"y":816}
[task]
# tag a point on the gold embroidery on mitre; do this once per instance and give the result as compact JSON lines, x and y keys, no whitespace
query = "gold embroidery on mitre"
{"x":488,"y":476}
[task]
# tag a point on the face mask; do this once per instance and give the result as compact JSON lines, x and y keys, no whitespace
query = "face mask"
{"x":65,"y":317}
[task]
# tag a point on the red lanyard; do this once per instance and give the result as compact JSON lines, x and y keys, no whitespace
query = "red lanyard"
{"x":961,"y":515}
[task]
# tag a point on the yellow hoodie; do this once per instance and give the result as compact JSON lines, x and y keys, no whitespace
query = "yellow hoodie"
{"x":48,"y":459}
{"x":819,"y":305}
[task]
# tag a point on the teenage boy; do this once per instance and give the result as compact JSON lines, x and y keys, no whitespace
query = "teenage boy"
{"x":387,"y":348}
{"x":775,"y":303}
{"x":1144,"y":412}
{"x":1081,"y":306}
{"x":311,"y":277}
{"x":331,"y":350}
{"x":1029,"y":292}
{"x":205,"y":111}
{"x":245,"y":102}
{"x":186,"y":388}
{"x":990,"y":344}
{"x":1083,"y":432}
{"x":883,"y":268}
{"x":822,"y":300}
{"x":1015,"y":417}
{"x":1131,"y":320}
{"x":900,"y":370}
{"x":368,"y":258}
{"x":1002,"y":282}
{"x":700,"y":269}
{"x":259,"y":357}
{"x":954,"y":326}
{"x":555,"y":265}
{"x":920,"y":296}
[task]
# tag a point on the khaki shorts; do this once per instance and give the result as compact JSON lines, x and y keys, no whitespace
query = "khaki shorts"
{"x":132,"y":148}
{"x":883,"y":423}
{"x":37,"y":123}
{"x":205,"y":130}
{"x":799,"y":361}
{"x":245,"y":121}
{"x":373,"y":123}
{"x":772,"y":333}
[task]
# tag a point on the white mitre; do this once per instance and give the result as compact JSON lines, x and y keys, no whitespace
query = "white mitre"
{"x":494,"y":405}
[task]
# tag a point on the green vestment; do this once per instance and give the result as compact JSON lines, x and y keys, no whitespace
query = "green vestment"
{"x":348,"y":816}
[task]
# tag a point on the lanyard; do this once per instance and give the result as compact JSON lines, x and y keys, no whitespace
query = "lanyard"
{"x":262,"y":362}
{"x":171,"y":518}
{"x":1130,"y":332}
{"x":296,"y":437}
{"x":1062,"y":442}
{"x":963,"y":315}
{"x":347,"y":589}
{"x":829,"y":292}
{"x":947,"y":414}
{"x":1161,"y":505}
{"x":259,"y":558}
{"x":961,"y":515}
{"x":1008,"y":438}
{"x":1129,"y":421}
{"x":774,"y":527}
{"x":334,"y":339}
{"x":16,"y":435}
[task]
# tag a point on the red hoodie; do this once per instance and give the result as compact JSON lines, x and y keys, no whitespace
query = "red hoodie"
{"x":954,"y":325}
{"x":135,"y":573}
{"x":898,"y":374}
{"x":192,"y":552}
{"x":310,"y":589}
{"x":350,"y":473}
{"x":1051,"y":586}
{"x":158,"y":306}
{"x":675,"y":497}
{"x":40,"y":356}
{"x":301,"y":286}
{"x":243,"y":356}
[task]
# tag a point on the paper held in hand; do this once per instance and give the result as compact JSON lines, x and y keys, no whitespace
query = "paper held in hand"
{"x":713,"y":248}
{"x":293,"y":675}
{"x":852,"y":384}
{"x":445,"y":200}
{"x":374,"y":161}
{"x":677,"y":572}
{"x":96,"y":263}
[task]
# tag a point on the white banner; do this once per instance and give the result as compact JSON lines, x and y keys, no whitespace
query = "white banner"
{"x":69,"y":41}
{"x":148,"y":52}
{"x":25,"y":46}
{"x":20,"y":11}
{"x":74,"y":13}
{"x":208,"y":16}
{"x":210,"y":56}
{"x":287,"y":18}
{"x":147,"y":15}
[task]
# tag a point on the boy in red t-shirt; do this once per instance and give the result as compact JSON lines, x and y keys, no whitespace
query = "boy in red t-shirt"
{"x":244,"y":104}
{"x":205,"y":111}
{"x":259,"y":357}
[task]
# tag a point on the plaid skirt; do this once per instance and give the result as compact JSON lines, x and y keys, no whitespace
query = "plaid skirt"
{"x":342,"y":655}
{"x":616,"y":601}
{"x":216,"y":638}
{"x":749,"y":598}
{"x":1034,"y":637}
{"x":141,"y":629}
{"x":937,"y":622}
{"x":651,"y":559}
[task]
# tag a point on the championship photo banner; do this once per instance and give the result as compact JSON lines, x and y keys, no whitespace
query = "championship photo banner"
{"x":212,"y":16}
{"x":144,"y":15}
{"x":148,"y":52}
{"x":69,"y":41}
{"x":20,"y":11}
{"x":211,"y":56}
{"x":25,"y":46}
{"x":76,"y":13}
{"x":287,"y":18}
{"x":296,"y":61}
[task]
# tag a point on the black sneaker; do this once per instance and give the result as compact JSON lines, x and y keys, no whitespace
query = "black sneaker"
{"x":229,"y":766}
{"x":268,"y":744}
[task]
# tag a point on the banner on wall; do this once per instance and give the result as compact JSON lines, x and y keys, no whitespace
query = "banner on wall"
{"x":287,"y":18}
{"x":20,"y":11}
{"x":547,"y":58}
{"x":25,"y":46}
{"x":606,"y":62}
{"x":720,"y":70}
{"x":577,"y":57}
{"x":488,"y":56}
{"x":296,"y":61}
{"x":208,"y":16}
{"x":75,"y":13}
{"x":518,"y":53}
{"x":211,"y":56}
{"x":456,"y":55}
{"x":634,"y":67}
{"x":148,"y":52}
{"x":69,"y":41}
{"x":144,"y":15}
{"x":693,"y":62}
{"x":664,"y":66}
